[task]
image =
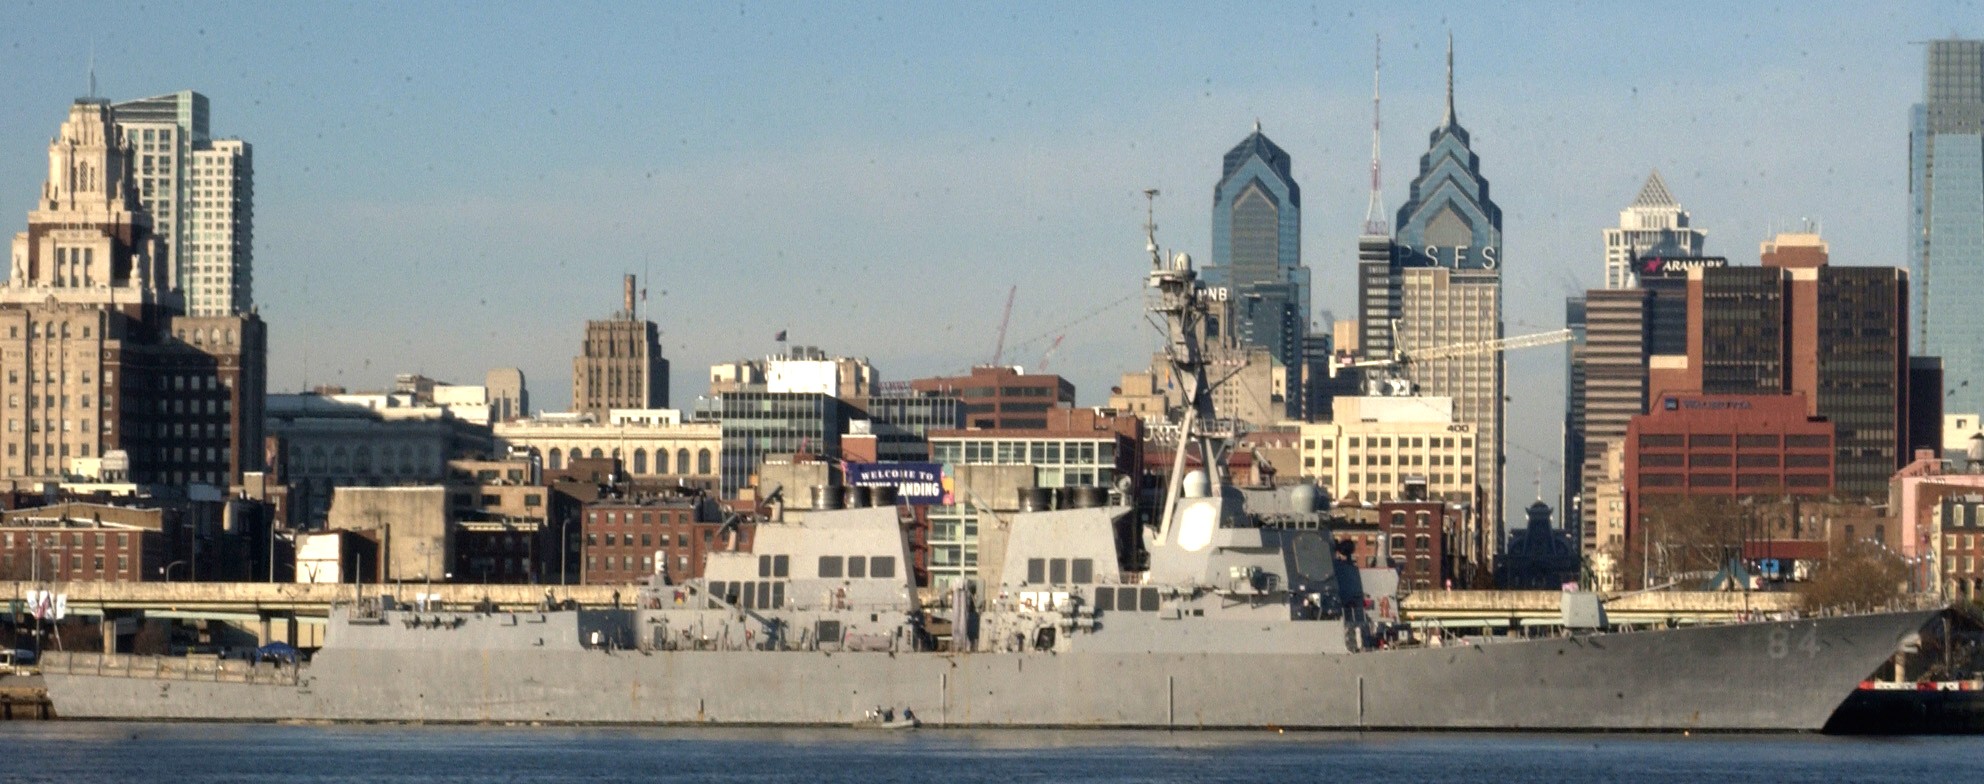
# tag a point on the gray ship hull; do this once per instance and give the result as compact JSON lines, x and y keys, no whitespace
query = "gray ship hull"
{"x":1745,"y":677}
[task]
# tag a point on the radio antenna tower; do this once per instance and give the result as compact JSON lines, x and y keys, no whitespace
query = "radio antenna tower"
{"x":1374,"y":215}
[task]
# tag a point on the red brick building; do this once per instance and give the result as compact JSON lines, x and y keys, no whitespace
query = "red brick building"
{"x":627,"y":541}
{"x":1002,"y":397}
{"x":86,"y":542}
{"x":1418,"y":533}
{"x":1725,"y":445}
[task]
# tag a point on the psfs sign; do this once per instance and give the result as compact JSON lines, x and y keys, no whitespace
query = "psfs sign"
{"x":920,"y":484}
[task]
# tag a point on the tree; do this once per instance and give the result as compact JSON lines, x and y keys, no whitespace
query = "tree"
{"x":1859,"y":576}
{"x":1685,"y":537}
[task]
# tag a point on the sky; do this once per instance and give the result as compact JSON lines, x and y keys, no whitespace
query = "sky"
{"x":446,"y":188}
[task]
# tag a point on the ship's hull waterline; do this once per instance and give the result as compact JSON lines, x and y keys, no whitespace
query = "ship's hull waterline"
{"x":1777,"y":676}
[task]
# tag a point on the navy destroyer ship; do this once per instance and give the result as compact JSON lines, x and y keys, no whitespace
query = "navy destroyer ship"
{"x":1245,"y":616}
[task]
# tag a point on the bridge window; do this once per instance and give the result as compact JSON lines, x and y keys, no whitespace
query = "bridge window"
{"x":830,"y":566}
{"x":1036,"y":570}
{"x":1084,"y":572}
{"x":782,"y":566}
{"x":1105,"y":599}
{"x":857,"y":566}
{"x":1057,"y":571}
{"x":881,"y":566}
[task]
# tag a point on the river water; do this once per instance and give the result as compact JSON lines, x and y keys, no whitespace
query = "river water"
{"x":84,"y":752}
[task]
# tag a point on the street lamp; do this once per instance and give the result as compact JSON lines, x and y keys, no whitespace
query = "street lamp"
{"x":166,"y":570}
{"x":564,"y":546}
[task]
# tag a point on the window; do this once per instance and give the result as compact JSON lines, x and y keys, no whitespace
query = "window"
{"x":881,"y":566}
{"x":857,"y":566}
{"x":782,"y":566}
{"x":830,"y":566}
{"x":1036,"y":570}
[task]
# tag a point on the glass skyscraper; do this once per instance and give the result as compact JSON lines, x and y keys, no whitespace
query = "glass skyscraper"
{"x":1257,"y":248}
{"x":1946,"y":194}
{"x":1442,"y":286}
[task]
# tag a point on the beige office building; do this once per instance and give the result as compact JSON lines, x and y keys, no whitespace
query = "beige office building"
{"x":650,"y":444}
{"x":1377,"y":444}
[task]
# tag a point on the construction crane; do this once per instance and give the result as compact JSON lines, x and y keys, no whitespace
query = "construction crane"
{"x":1049,"y":354}
{"x":1399,"y":360}
{"x":999,"y":350}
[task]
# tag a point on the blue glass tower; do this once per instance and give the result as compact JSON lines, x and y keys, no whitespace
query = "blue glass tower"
{"x":1257,"y":247}
{"x":1449,"y":221}
{"x":1440,"y":288}
{"x":1946,"y":194}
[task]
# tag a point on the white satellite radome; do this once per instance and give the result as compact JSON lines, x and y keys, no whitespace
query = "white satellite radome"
{"x":1197,"y":484}
{"x":1303,"y":498}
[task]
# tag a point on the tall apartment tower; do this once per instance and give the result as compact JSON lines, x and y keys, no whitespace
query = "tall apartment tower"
{"x":1654,"y":225}
{"x":201,"y":194}
{"x":101,"y":371}
{"x":1946,"y":200}
{"x":1257,"y":247}
{"x":1442,"y":285}
{"x":620,"y":364}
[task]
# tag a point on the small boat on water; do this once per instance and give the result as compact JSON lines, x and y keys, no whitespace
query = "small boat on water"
{"x":886,"y":719}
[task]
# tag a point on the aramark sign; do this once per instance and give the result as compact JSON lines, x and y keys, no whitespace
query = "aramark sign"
{"x":920,"y":484}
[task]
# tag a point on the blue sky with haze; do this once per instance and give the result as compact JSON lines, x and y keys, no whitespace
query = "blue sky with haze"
{"x":446,"y":188}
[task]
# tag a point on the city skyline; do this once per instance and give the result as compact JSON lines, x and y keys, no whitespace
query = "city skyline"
{"x":863,"y":170}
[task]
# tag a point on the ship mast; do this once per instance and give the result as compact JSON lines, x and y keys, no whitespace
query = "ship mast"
{"x":1181,"y":304}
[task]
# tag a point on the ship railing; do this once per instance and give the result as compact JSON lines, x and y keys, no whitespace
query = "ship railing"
{"x":198,"y":667}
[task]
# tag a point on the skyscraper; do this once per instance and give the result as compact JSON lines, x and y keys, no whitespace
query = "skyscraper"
{"x":102,"y":373}
{"x":1257,"y":247}
{"x":1441,"y":286}
{"x":620,"y":364}
{"x":1614,"y":330}
{"x":201,"y":194}
{"x":1794,"y":325}
{"x":1653,"y":225}
{"x":1946,"y":200}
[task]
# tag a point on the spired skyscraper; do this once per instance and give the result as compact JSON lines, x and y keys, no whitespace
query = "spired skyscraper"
{"x":1257,"y":248}
{"x":1441,"y":286}
{"x":200,"y":192}
{"x":1946,"y":195}
{"x":1653,"y":225}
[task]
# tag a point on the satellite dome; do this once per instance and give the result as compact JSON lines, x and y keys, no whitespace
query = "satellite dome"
{"x":1197,"y":484}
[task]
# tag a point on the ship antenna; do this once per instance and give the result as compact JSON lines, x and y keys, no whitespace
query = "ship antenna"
{"x":1182,"y":304}
{"x":1374,"y":215}
{"x":1150,"y":227}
